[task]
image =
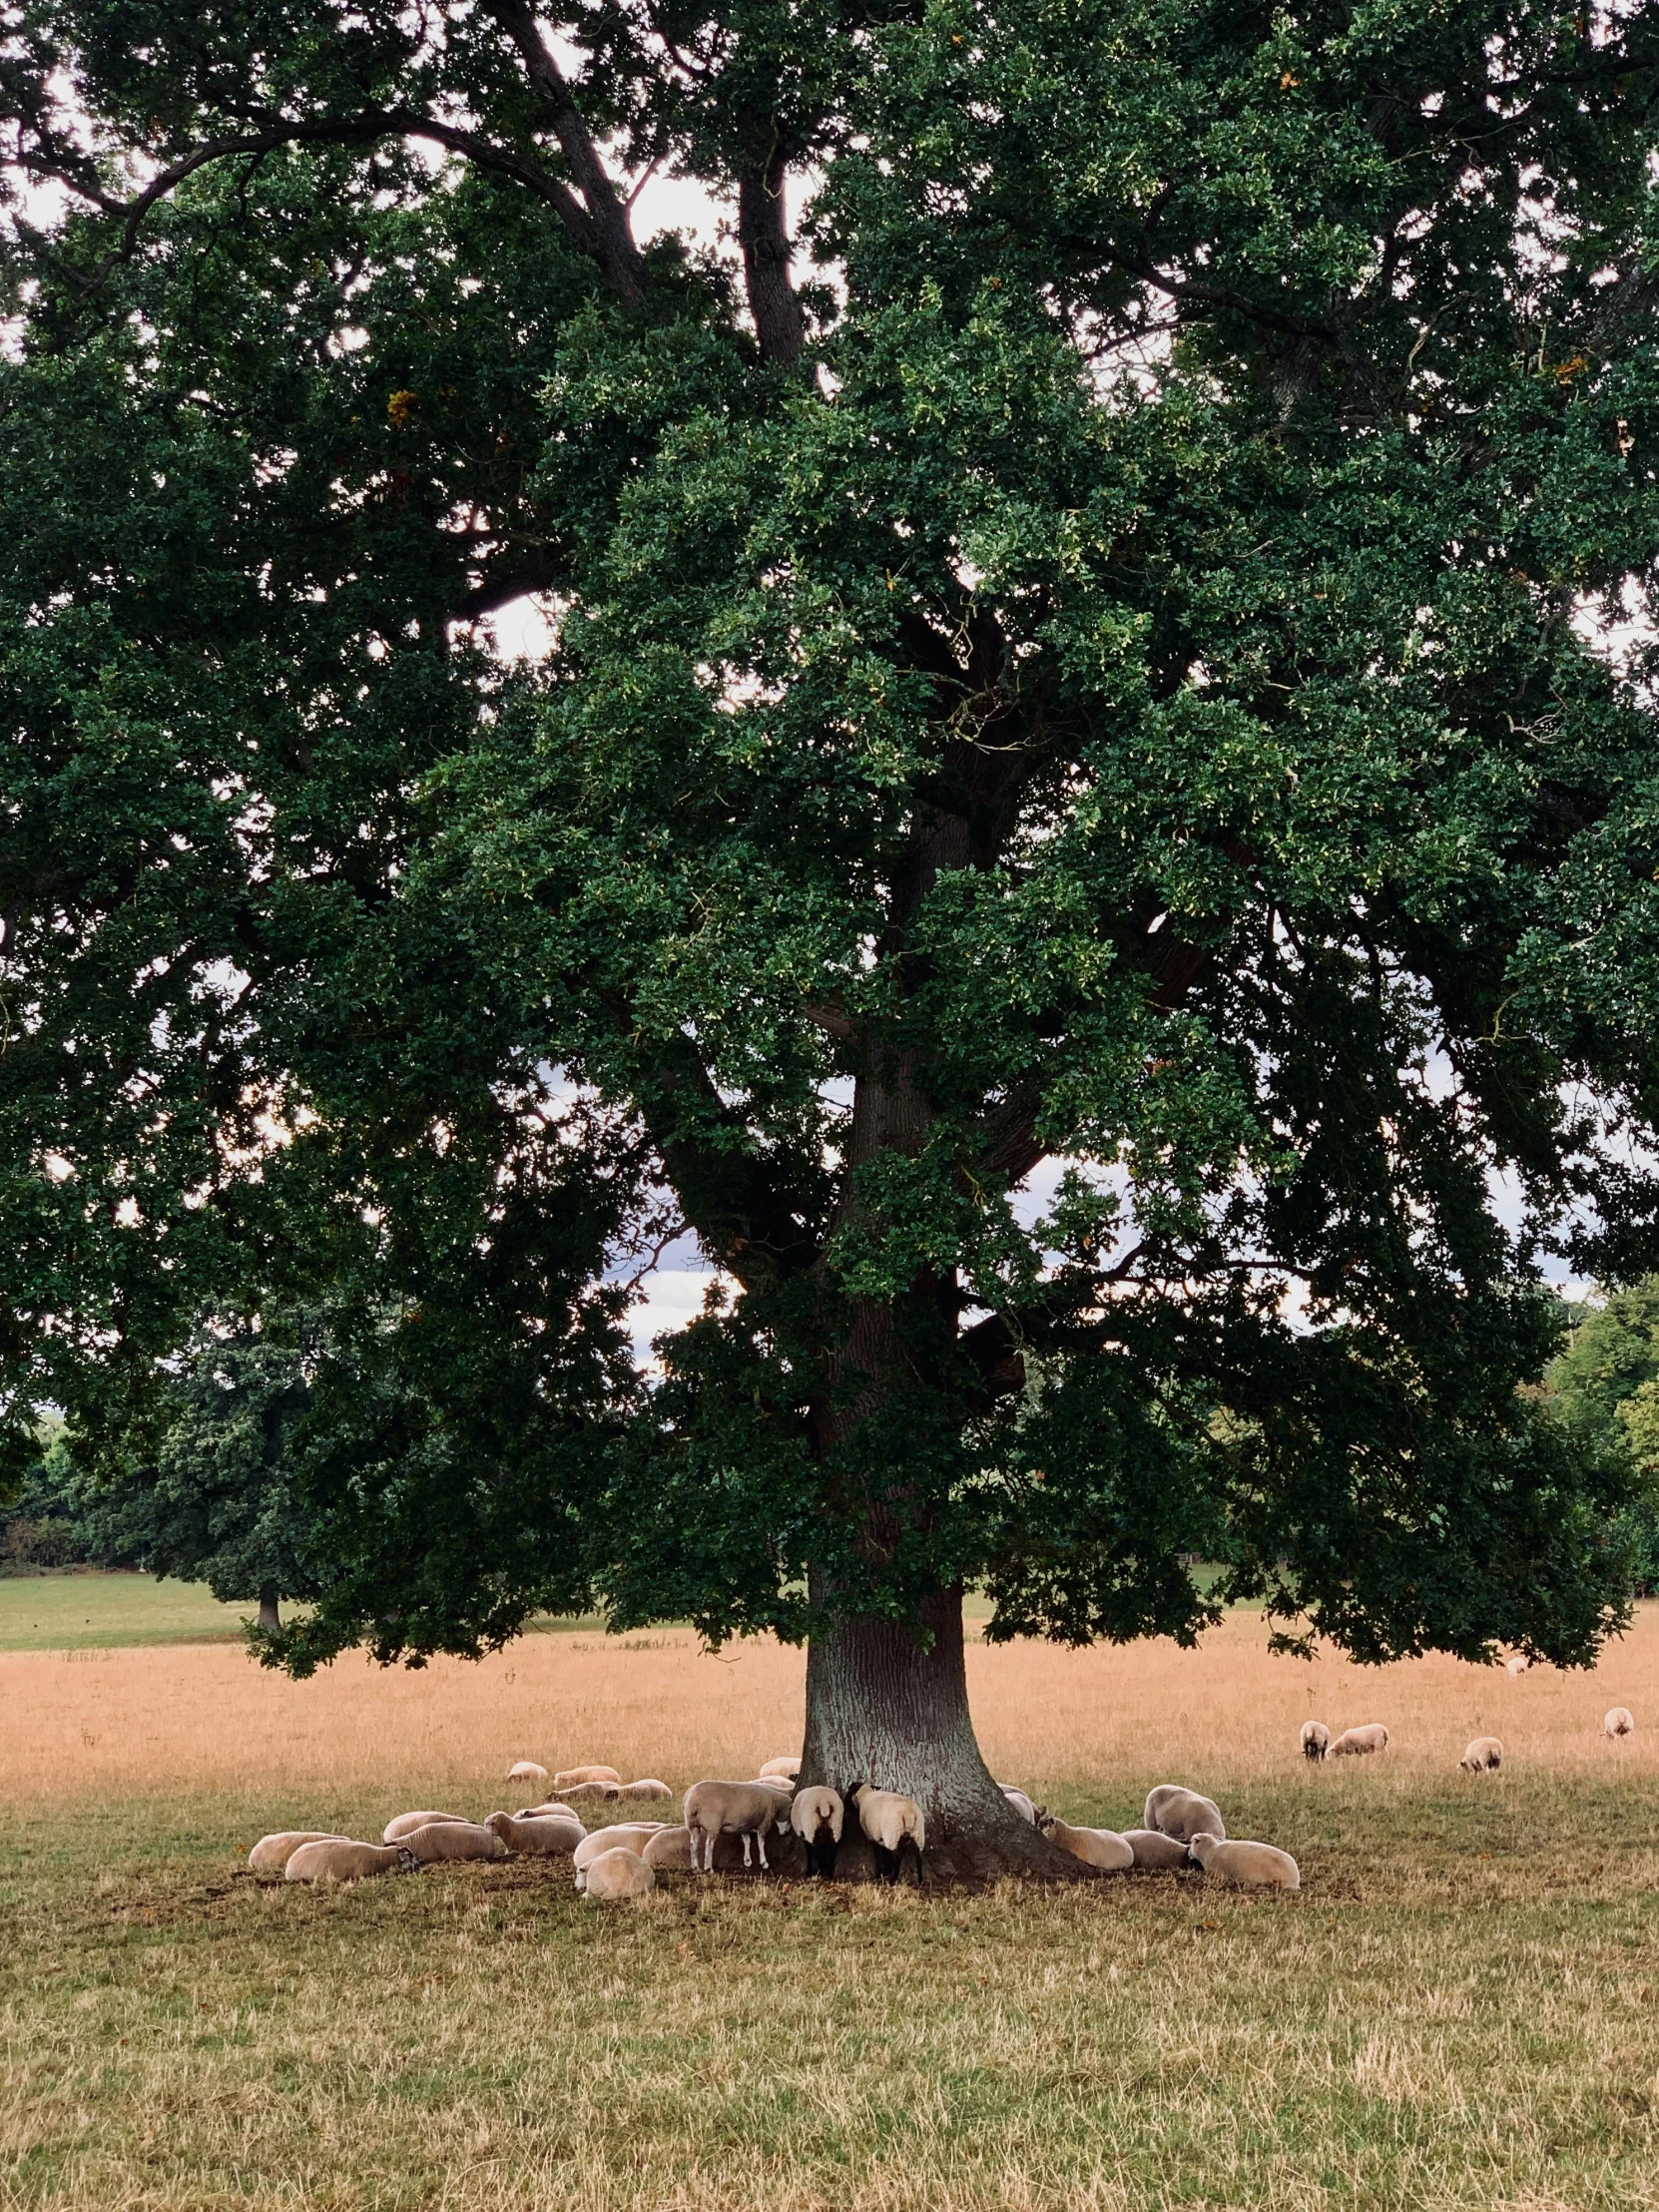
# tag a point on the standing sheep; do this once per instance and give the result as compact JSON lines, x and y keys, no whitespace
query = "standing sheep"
{"x":1096,"y":1846}
{"x":1357,"y":1743}
{"x":616,"y":1875}
{"x":890,"y":1821}
{"x":1617,"y":1721}
{"x":1261,"y":1866}
{"x":742,"y":1809}
{"x":818,"y":1817}
{"x":1314,"y":1739}
{"x":526,"y":1770}
{"x":1180,"y":1813}
{"x":789,"y":1768}
{"x":1516,"y":1663}
{"x":1484,"y":1756}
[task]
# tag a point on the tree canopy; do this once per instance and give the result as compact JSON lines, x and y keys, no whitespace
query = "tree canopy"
{"x":1078,"y":835}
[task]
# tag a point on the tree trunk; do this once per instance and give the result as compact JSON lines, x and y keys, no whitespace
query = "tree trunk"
{"x":269,"y":1618}
{"x":881,"y":1708}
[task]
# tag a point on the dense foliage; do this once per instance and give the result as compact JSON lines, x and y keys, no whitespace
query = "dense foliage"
{"x":1074,"y":838}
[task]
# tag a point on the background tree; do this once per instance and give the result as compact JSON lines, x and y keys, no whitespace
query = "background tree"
{"x":1071,"y":832}
{"x":1604,"y":1389}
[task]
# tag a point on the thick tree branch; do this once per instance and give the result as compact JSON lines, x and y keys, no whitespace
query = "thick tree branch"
{"x":764,"y":238}
{"x":607,"y":210}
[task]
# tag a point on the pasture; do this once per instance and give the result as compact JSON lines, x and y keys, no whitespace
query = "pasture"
{"x":1460,"y":2013}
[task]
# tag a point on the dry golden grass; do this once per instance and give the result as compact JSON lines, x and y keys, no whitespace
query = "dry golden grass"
{"x":1458,"y":2013}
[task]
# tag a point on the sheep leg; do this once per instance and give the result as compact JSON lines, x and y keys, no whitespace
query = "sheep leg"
{"x":746,"y":1850}
{"x":886,"y":1862}
{"x":760,"y":1846}
{"x":823,"y":1853}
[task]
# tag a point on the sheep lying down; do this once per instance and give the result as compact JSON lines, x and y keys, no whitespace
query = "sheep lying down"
{"x":1155,"y":1851}
{"x":616,"y":1874}
{"x":537,"y":1839}
{"x":1246,"y":1866}
{"x":406,"y":1824}
{"x":442,"y":1841}
{"x":1180,"y":1813}
{"x":624,"y":1836}
{"x":340,"y":1859}
{"x":1096,"y":1846}
{"x":272,"y":1854}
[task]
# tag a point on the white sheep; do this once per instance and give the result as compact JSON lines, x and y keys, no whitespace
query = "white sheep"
{"x":789,"y":1768}
{"x":340,"y":1859}
{"x":1261,"y":1866}
{"x":651,"y":1791}
{"x":1096,"y":1846}
{"x":537,"y":1839}
{"x":406,"y":1824}
{"x":733,"y":1808}
{"x":1484,"y":1756}
{"x":272,"y":1854}
{"x":526,"y":1770}
{"x":1358,"y":1743}
{"x":890,"y":1820}
{"x":452,"y":1840}
{"x":551,"y":1811}
{"x":1617,"y":1721}
{"x":817,"y":1816}
{"x":1022,"y":1804}
{"x":625,"y":1836}
{"x":669,"y":1849}
{"x":592,"y":1792}
{"x":1156,"y":1850}
{"x":1516,"y":1663}
{"x":615,"y":1875}
{"x":573,"y":1775}
{"x":1180,"y":1813}
{"x":1314,"y":1739}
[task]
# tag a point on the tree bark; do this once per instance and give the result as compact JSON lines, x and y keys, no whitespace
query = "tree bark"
{"x":883,"y":1707}
{"x":271,"y":1618}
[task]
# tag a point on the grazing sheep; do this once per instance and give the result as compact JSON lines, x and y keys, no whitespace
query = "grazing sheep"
{"x":526,"y":1770}
{"x":1516,"y":1663}
{"x":1180,"y":1813}
{"x":450,"y":1840}
{"x":1484,"y":1756}
{"x":733,"y":1808}
{"x":817,"y":1816}
{"x":573,"y":1775}
{"x":537,"y":1839}
{"x":340,"y":1859}
{"x":272,"y":1854}
{"x":890,"y":1821}
{"x":1617,"y":1721}
{"x":1156,"y":1850}
{"x":616,"y":1875}
{"x":1022,"y":1804}
{"x":406,"y":1824}
{"x":1096,"y":1846}
{"x":1246,"y":1866}
{"x":625,"y":1836}
{"x":650,"y":1790}
{"x":789,"y":1769}
{"x":592,"y":1792}
{"x":1314,"y":1739}
{"x":1357,"y":1743}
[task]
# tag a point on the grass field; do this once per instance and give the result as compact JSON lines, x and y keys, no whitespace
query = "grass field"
{"x":52,"y":1612}
{"x":1460,"y":2013}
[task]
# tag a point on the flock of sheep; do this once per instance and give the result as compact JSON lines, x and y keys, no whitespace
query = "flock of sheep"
{"x":1484,"y":1756}
{"x":623,"y":1859}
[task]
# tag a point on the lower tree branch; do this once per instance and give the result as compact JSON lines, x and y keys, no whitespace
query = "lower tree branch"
{"x":764,"y":238}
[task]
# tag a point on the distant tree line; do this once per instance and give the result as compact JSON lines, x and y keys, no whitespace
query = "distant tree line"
{"x":221,"y":1496}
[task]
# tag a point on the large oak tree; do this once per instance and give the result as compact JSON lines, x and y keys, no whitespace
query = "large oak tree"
{"x":1077,"y":833}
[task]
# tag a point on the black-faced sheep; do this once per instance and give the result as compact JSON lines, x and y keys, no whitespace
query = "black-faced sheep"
{"x":890,"y":1821}
{"x":1096,"y":1846}
{"x":818,"y":1817}
{"x":1180,"y":1813}
{"x":1246,"y":1866}
{"x":340,"y":1859}
{"x":1617,"y":1721}
{"x":1360,"y":1743}
{"x":742,"y":1809}
{"x":1484,"y":1756}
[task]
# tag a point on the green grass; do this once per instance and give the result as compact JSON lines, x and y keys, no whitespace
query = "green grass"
{"x":66,"y":1612}
{"x":1458,"y":2013}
